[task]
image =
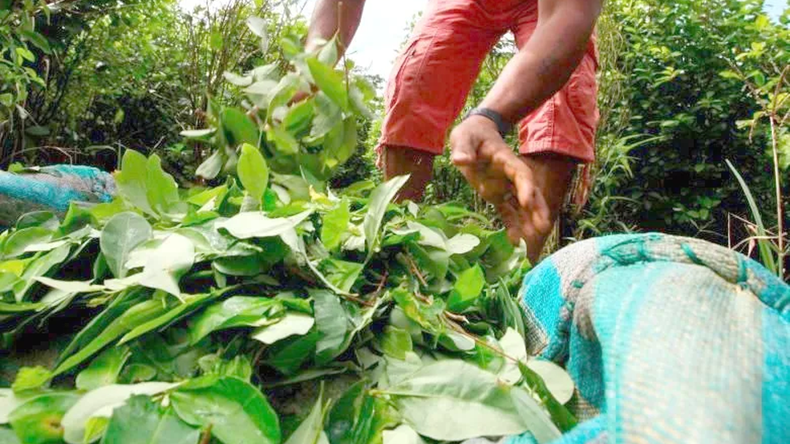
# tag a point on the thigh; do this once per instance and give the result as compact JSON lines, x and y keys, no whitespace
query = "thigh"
{"x":566,"y":124}
{"x":434,"y":73}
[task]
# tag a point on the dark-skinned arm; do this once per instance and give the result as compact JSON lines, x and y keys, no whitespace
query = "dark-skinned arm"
{"x":546,"y":62}
{"x":537,"y":72}
{"x":326,"y":17}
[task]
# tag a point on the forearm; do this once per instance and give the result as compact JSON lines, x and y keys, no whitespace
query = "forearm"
{"x":327,"y":15}
{"x":543,"y":65}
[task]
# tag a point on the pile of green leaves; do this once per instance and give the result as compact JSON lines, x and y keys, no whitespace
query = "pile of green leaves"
{"x":269,"y":308}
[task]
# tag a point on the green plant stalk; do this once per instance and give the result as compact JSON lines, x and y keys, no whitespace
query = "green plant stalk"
{"x":763,"y":244}
{"x":779,"y":212}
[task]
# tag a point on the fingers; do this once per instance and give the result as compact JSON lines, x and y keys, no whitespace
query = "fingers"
{"x":504,"y":163}
{"x":512,"y":220}
{"x":463,"y":148}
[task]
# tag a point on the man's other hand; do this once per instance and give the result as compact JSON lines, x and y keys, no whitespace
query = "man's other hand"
{"x":502,"y":179}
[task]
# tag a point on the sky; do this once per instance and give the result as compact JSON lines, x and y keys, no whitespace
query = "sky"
{"x":384,"y":27}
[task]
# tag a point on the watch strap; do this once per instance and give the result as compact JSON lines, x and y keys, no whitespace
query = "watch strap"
{"x":503,"y":126}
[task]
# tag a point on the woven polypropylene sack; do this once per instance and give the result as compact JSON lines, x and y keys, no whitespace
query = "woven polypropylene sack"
{"x":668,"y":339}
{"x":52,"y":189}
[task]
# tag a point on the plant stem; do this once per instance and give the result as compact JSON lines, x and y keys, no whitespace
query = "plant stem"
{"x":779,"y":212}
{"x":206,"y":437}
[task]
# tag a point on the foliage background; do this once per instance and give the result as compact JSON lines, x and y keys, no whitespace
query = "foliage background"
{"x":110,"y":75}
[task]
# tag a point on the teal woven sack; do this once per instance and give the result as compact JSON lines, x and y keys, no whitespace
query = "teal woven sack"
{"x":669,"y":340}
{"x":52,"y":189}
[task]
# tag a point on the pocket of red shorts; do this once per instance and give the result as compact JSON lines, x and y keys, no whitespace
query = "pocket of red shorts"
{"x":396,"y":77}
{"x":583,"y":93}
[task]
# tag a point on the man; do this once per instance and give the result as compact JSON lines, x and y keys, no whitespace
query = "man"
{"x":549,"y":87}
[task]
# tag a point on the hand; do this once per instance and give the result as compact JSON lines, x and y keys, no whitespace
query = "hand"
{"x":502,"y":179}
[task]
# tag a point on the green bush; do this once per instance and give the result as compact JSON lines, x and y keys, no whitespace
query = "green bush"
{"x":662,"y":82}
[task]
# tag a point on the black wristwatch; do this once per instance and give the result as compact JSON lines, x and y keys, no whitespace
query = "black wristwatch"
{"x":503,"y":126}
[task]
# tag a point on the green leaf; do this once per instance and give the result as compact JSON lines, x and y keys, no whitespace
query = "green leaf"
{"x":131,"y":180}
{"x":331,"y":322}
{"x":31,"y":378}
{"x":282,"y":93}
{"x":120,"y":236}
{"x":211,"y":167}
{"x":215,"y":40}
{"x":43,"y":219}
{"x":452,"y":401}
{"x":431,"y":260}
{"x":287,"y":356}
{"x":427,"y":316}
{"x":299,"y":117}
{"x":396,"y":342}
{"x":103,"y":370}
{"x":284,"y":141}
{"x":311,"y":430}
{"x":238,"y":311}
{"x":462,"y":244}
{"x":6,"y":99}
{"x":375,"y":415}
{"x":237,"y":80}
{"x":25,"y":53}
{"x":335,"y":225}
{"x":557,"y":380}
{"x":102,"y":402}
{"x":560,"y":415}
{"x":513,"y":346}
{"x":37,"y":268}
{"x":237,"y":411}
{"x":292,"y":324}
{"x":256,"y":225}
{"x":141,"y":421}
{"x":70,"y":286}
{"x":38,"y":420}
{"x":7,"y":436}
{"x":258,"y":26}
{"x":344,"y":414}
{"x":341,"y":274}
{"x":253,"y":171}
{"x":327,"y":117}
{"x":403,"y":434}
{"x":328,"y":55}
{"x":199,"y":134}
{"x":380,"y":199}
{"x":467,"y":289}
{"x":237,"y":128}
{"x":9,"y":401}
{"x":360,"y":93}
{"x":766,"y":252}
{"x":329,"y":81}
{"x":161,"y":188}
{"x":100,"y":322}
{"x":172,"y":259}
{"x":134,"y":316}
{"x":347,"y":145}
{"x":539,"y":424}
{"x":19,"y":241}
{"x":247,"y":266}
{"x":95,"y":428}
{"x":190,"y":304}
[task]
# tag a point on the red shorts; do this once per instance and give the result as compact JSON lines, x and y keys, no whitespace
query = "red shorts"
{"x":434,"y":74}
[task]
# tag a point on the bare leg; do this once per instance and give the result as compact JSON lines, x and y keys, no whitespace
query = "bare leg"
{"x":399,"y":161}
